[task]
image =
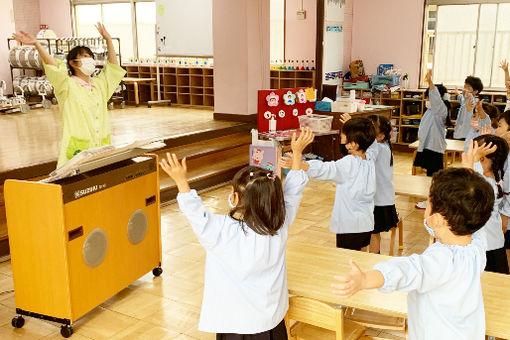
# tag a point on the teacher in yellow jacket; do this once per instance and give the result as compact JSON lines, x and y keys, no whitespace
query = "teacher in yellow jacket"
{"x":82,"y":98}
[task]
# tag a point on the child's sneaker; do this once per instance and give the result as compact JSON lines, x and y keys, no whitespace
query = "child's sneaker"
{"x":421,"y":205}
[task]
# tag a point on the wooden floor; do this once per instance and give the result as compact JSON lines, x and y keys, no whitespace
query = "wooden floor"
{"x":34,"y":138}
{"x":168,"y":307}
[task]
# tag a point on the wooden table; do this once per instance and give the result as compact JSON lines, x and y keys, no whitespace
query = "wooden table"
{"x":141,"y":81}
{"x":409,"y":185}
{"x":310,"y":271}
{"x":453,"y":146}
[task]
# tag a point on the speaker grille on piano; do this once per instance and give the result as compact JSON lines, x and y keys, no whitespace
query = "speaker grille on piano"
{"x":95,"y":248}
{"x":137,"y":226}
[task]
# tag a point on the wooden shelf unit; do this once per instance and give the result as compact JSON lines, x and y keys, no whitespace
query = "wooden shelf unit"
{"x":410,"y":106}
{"x":282,"y":79}
{"x":181,"y":85}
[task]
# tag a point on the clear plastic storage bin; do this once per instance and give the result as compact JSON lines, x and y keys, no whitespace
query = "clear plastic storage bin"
{"x":316,"y":123}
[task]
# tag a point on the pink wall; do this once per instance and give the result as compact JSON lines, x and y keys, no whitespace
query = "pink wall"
{"x":388,"y":32}
{"x":6,"y":29}
{"x":57,"y":15}
{"x":241,"y":54}
{"x":347,"y":26}
{"x":26,"y":15}
{"x":300,"y":35}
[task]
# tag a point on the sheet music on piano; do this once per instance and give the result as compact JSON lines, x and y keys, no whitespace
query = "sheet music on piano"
{"x":90,"y":159}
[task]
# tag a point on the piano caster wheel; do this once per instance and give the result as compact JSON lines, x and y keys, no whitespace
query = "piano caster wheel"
{"x":18,"y":321}
{"x":157,"y":271}
{"x":66,"y":331}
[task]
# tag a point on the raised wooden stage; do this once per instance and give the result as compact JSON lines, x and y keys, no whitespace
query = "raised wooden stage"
{"x":29,"y":145}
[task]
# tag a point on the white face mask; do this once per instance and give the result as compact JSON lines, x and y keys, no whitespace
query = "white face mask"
{"x":427,"y":104}
{"x":88,"y":66}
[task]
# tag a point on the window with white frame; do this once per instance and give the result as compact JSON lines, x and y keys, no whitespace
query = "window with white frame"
{"x":146,"y":29}
{"x":134,"y":22}
{"x":277,"y":30}
{"x":466,"y":39}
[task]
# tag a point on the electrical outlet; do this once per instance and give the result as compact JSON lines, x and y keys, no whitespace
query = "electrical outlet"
{"x":301,"y":15}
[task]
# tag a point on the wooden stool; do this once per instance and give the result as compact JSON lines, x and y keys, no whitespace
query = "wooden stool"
{"x":400,"y":227}
{"x":376,"y":320}
{"x":319,"y":320}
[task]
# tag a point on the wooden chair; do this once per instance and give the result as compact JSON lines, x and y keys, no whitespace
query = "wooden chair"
{"x":319,"y":320}
{"x":376,"y":320}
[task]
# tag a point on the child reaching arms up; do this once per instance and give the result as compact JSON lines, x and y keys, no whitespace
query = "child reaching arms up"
{"x":490,"y":166}
{"x":484,"y":116}
{"x":245,"y":284}
{"x":432,"y":131}
{"x":468,"y":99}
{"x":352,"y":218}
{"x":445,"y":295}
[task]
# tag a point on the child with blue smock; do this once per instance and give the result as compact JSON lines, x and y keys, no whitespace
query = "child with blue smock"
{"x":472,"y":87}
{"x":491,"y":167}
{"x":444,"y":299}
{"x":432,"y":131}
{"x":352,"y":218}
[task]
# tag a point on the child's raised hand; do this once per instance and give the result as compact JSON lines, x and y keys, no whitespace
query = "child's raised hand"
{"x":468,"y":158}
{"x":350,"y":284}
{"x":503,"y":64}
{"x":305,"y":137}
{"x":470,"y":104}
{"x":486,"y":130}
{"x":345,"y":117}
{"x":484,"y":150}
{"x":175,"y":169}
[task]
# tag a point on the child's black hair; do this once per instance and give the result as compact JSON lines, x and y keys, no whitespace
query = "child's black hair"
{"x":261,"y":206}
{"x":360,"y":131}
{"x":74,"y":53}
{"x":506,"y":116}
{"x":463,"y":197}
{"x":498,"y":158}
{"x":493,"y":112}
{"x":383,"y":125}
{"x":442,"y":91}
{"x":475,"y":83}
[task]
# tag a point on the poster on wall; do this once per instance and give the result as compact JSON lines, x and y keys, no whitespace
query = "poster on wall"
{"x":335,"y":10}
{"x":333,"y":54}
{"x":283,"y":107}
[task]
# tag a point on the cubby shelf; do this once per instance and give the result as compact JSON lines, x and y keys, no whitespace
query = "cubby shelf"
{"x":282,"y":79}
{"x":181,"y":85}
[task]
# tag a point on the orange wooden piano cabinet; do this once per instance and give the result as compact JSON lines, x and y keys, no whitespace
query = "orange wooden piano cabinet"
{"x":78,"y":241}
